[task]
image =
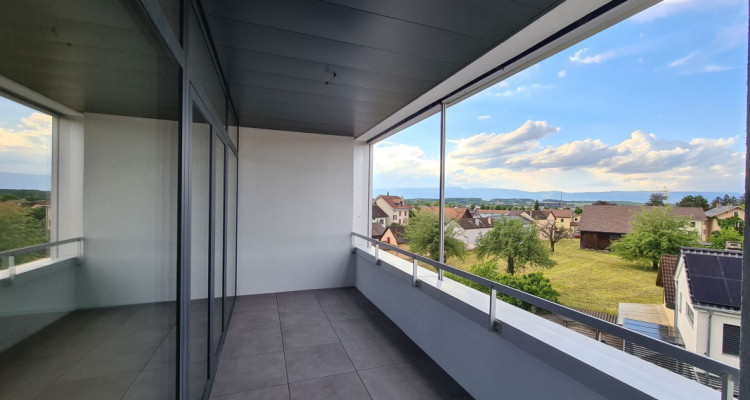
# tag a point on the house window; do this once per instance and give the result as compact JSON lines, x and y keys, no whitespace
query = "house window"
{"x":394,"y":217}
{"x":736,"y":213}
{"x":690,"y":314}
{"x":692,"y":223}
{"x":388,"y":240}
{"x":731,"y":340}
{"x":562,"y":219}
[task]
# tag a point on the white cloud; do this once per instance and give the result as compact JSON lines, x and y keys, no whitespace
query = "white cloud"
{"x":580,"y":57}
{"x":493,"y":148}
{"x":26,"y":147}
{"x":715,"y":68}
{"x":397,"y":158}
{"x":481,"y":117}
{"x":682,"y":61}
{"x":562,"y":74}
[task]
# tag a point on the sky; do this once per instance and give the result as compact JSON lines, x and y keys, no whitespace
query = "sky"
{"x":25,"y":139}
{"x":656,"y":101}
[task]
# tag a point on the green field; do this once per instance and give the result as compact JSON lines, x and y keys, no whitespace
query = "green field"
{"x":594,"y":280}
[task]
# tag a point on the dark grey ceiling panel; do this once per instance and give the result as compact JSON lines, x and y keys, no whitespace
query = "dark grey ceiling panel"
{"x":320,"y":72}
{"x":280,"y":56}
{"x":90,"y":56}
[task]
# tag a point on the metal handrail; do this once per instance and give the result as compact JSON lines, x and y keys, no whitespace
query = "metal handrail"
{"x":728,"y":373}
{"x":23,"y":250}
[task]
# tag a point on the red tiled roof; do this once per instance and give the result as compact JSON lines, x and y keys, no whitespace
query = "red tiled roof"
{"x":617,"y":219}
{"x":562,"y":213}
{"x":377,"y":230}
{"x":394,"y":202}
{"x":665,"y":277}
{"x":450,"y":213}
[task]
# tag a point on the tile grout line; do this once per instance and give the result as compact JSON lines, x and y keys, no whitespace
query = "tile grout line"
{"x":281,"y":333}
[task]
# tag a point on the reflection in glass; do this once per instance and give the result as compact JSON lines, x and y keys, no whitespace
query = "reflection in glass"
{"x":218,"y":266}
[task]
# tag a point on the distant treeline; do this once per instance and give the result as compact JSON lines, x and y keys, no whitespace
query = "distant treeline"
{"x":25,"y":194}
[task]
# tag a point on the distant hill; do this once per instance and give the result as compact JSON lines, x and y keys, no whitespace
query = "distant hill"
{"x":488,"y":194}
{"x":10,"y":180}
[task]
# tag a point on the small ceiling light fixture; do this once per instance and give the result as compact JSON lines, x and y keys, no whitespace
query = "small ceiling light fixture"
{"x":333,"y":78}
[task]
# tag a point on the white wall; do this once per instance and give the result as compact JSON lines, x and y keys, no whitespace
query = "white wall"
{"x":130,"y":211}
{"x":295,"y":211}
{"x":690,"y":333}
{"x":718,"y":319}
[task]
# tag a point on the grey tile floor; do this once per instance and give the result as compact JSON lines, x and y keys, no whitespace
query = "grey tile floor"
{"x":323,"y":344}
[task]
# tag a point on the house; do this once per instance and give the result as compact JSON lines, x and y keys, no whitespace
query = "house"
{"x":379,"y":216}
{"x":395,"y":235}
{"x":452,"y":213}
{"x":395,"y":208}
{"x":707,"y":300}
{"x":716,"y":214}
{"x":377,"y":230}
{"x":602,"y":224}
{"x":563,"y":217}
{"x":469,"y":229}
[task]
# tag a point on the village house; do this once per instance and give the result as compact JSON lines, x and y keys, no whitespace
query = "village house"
{"x":377,"y":230}
{"x":604,"y":224}
{"x":469,"y":230}
{"x":452,"y":213}
{"x":707,"y":314}
{"x":394,"y":235}
{"x":379,"y":216}
{"x":396,"y":209}
{"x":716,"y":214}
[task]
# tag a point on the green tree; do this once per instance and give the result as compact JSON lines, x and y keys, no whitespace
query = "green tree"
{"x":499,"y":207}
{"x":423,"y":232}
{"x":654,"y":232}
{"x":720,"y":238}
{"x":20,"y":229}
{"x":657,"y":199}
{"x":7,"y":197}
{"x":473,"y":206}
{"x":534,"y":284}
{"x":515,"y":242}
{"x":536,"y":204}
{"x":578,"y":211}
{"x":733,"y":222}
{"x":694,"y":201}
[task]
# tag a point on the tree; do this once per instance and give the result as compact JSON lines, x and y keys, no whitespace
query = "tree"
{"x":534,"y":284}
{"x":578,"y":211}
{"x":536,"y":204}
{"x":515,"y":242}
{"x":423,"y":232}
{"x":716,"y":202}
{"x":654,"y":232}
{"x":22,"y":227}
{"x":733,"y":222}
{"x":726,"y":200}
{"x":499,"y":207}
{"x":554,"y":233}
{"x":473,"y":206}
{"x":720,"y":238}
{"x":603,"y":203}
{"x":657,"y":199}
{"x":7,"y":197}
{"x":694,"y":201}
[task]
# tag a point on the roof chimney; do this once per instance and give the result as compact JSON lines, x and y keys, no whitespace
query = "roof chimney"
{"x":732,"y":245}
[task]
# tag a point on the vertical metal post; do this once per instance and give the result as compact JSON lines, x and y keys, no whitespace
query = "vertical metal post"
{"x":80,"y":248}
{"x":727,"y":387}
{"x":377,"y":255}
{"x":12,"y":267}
{"x":744,"y":377}
{"x":441,"y":257}
{"x":414,"y":279}
{"x":493,"y":309}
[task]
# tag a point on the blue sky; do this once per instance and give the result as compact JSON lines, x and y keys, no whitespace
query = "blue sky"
{"x":25,"y":139}
{"x":656,"y":101}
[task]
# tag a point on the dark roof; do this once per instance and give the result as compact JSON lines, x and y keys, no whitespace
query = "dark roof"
{"x":398,"y":232}
{"x":475,"y":223}
{"x":714,"y":276}
{"x":378,"y":212}
{"x":395,"y":201}
{"x":665,"y":277}
{"x":665,"y":333}
{"x":721,"y":210}
{"x":617,"y":219}
{"x":377,"y":230}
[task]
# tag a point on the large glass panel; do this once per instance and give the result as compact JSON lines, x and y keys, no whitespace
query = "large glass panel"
{"x":199,"y":252}
{"x":233,"y":128}
{"x":217,"y":317}
{"x":102,"y":325}
{"x":203,"y":72}
{"x":231,"y":260}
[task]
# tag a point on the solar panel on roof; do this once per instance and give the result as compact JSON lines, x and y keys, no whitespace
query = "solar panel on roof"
{"x":732,"y":267}
{"x":709,"y":290}
{"x":735,"y":290}
{"x":703,"y":265}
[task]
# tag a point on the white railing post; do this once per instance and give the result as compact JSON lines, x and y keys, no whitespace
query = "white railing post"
{"x":377,"y":255}
{"x":727,"y":387}
{"x":11,"y":267}
{"x":493,"y":309}
{"x":414,"y":279}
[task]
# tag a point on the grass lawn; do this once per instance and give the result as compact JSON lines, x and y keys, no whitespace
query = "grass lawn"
{"x":594,"y":280}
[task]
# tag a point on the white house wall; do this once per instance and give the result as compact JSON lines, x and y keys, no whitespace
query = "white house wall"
{"x":690,"y":333}
{"x":717,"y":337}
{"x":295,"y":211}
